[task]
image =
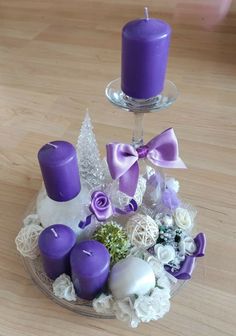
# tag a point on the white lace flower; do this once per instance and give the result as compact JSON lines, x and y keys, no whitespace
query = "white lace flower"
{"x":103,"y":304}
{"x":153,"y":307}
{"x":31,"y":219}
{"x":156,"y":266}
{"x":187,"y":246}
{"x":164,"y":253}
{"x":173,"y":184}
{"x":161,"y":297}
{"x":183,"y":219}
{"x":124,"y":311}
{"x":63,"y":288}
{"x":146,"y":308}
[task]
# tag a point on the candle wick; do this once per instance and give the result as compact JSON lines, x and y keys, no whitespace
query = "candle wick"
{"x":54,"y":232}
{"x":146,"y":13}
{"x":50,"y":144}
{"x":87,"y":252}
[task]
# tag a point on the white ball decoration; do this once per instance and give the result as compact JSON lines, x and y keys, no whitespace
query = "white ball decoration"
{"x":131,"y":276}
{"x":27,"y":240}
{"x":142,"y":230}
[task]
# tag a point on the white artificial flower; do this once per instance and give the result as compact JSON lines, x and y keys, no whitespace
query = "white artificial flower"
{"x":161,"y":297}
{"x":168,"y":220}
{"x":154,"y":306}
{"x":63,"y":288}
{"x":187,"y":246}
{"x":124,"y":311}
{"x":183,"y":219}
{"x":103,"y":304}
{"x":173,"y":184}
{"x":31,"y":219}
{"x":156,"y":266}
{"x":164,"y":253}
{"x":146,"y":308}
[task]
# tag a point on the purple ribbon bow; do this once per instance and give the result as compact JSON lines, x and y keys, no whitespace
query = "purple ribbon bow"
{"x":123,"y":159}
{"x":101,"y":207}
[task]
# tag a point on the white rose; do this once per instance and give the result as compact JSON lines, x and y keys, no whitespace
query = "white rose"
{"x":63,"y":288}
{"x":156,"y":266}
{"x":124,"y":311}
{"x":103,"y":304}
{"x":183,"y":219}
{"x":173,"y":184}
{"x":187,"y":246}
{"x":164,"y":253}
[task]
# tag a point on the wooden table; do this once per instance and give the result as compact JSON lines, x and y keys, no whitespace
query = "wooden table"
{"x":56,"y":57}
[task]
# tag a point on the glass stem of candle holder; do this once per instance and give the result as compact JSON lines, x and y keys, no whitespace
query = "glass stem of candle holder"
{"x":137,"y":139}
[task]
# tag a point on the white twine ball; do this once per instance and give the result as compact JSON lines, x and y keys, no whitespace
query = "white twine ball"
{"x":27,"y":240}
{"x":142,"y":230}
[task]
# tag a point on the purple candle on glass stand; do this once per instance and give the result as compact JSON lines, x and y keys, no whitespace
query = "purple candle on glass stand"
{"x":55,"y":243}
{"x":90,"y":262}
{"x":59,"y":166}
{"x":145,"y":45}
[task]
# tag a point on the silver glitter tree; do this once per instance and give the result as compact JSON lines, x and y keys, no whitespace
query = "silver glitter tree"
{"x":88,"y":155}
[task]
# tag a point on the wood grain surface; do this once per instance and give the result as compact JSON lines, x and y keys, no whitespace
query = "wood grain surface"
{"x":56,"y":58}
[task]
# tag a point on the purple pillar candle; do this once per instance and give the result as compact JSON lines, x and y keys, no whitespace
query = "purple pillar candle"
{"x":59,"y":166}
{"x":145,"y":45}
{"x":90,"y":262}
{"x":55,"y":243}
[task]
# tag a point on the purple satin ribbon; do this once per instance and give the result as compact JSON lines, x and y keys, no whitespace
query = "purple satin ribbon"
{"x":187,"y":266}
{"x":102,"y":208}
{"x":200,"y":241}
{"x":123,"y":159}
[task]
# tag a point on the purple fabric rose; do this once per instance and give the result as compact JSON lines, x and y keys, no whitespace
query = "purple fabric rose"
{"x":101,"y":206}
{"x":170,"y":199}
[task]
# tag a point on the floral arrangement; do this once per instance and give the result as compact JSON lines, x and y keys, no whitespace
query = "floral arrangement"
{"x":135,"y":211}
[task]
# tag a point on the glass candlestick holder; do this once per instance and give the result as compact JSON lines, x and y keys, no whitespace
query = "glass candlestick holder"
{"x":139,"y":107}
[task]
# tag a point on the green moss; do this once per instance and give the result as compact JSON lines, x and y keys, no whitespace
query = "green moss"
{"x":115,"y":239}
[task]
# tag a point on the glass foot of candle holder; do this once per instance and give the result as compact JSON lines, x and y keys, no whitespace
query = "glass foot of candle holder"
{"x":117,"y":97}
{"x":83,"y":307}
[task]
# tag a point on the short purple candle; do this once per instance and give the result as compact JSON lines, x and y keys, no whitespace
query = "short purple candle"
{"x":55,"y":243}
{"x":59,"y":166}
{"x":145,"y":45}
{"x":90,"y":262}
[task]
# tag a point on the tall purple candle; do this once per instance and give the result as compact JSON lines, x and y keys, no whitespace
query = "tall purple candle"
{"x":145,"y":45}
{"x":55,"y":243}
{"x":90,"y":261}
{"x":59,"y":166}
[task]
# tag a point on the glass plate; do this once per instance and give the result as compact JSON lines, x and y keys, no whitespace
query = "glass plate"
{"x":80,"y":306}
